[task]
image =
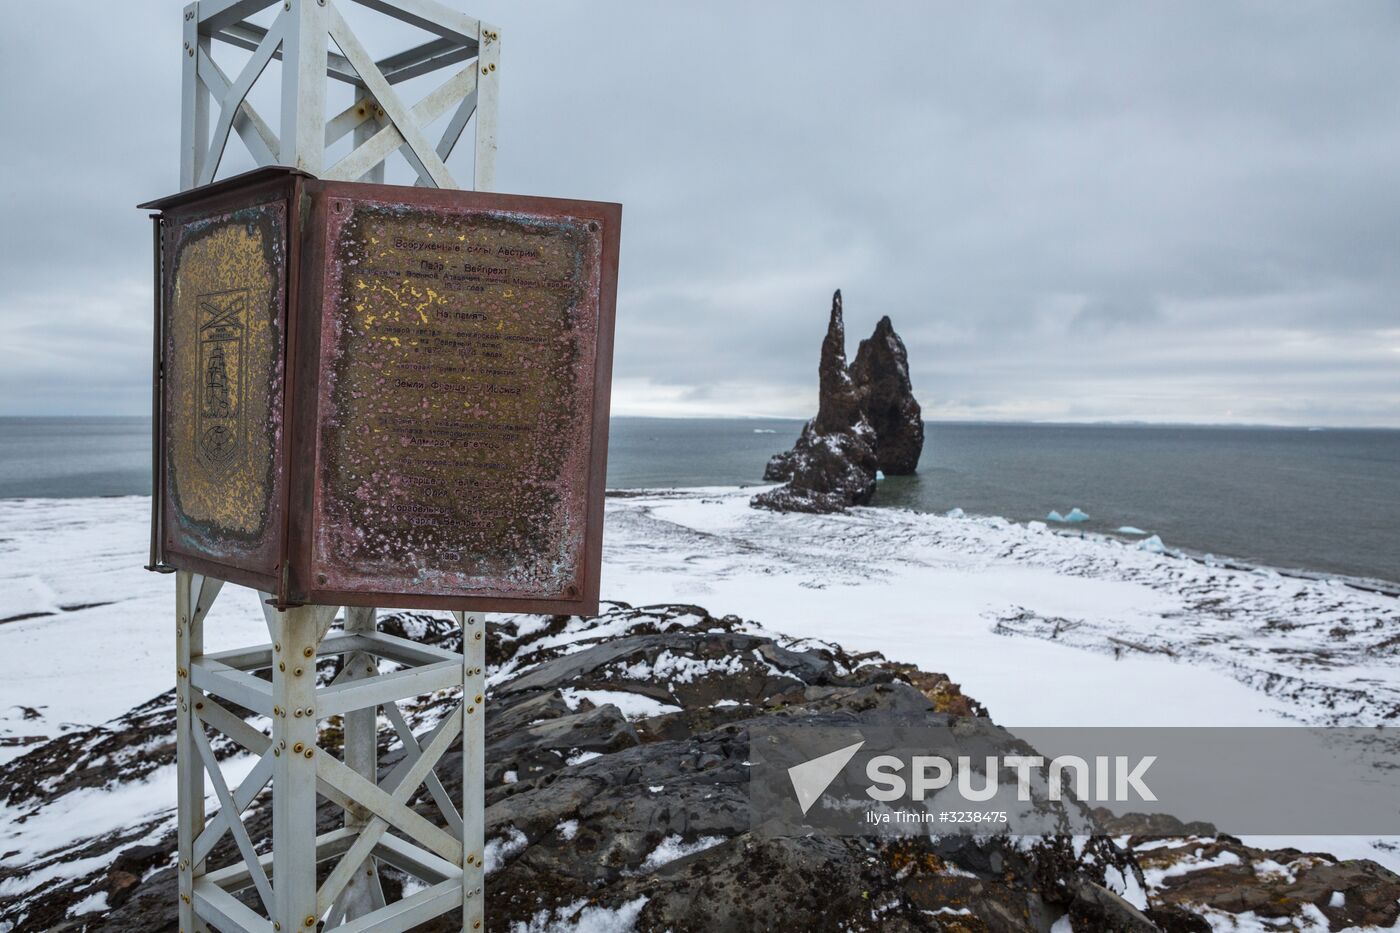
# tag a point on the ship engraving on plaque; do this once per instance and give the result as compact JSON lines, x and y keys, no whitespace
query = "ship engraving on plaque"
{"x":222,"y":338}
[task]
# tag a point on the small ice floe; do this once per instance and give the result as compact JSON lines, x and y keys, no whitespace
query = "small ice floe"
{"x":1130,"y":530}
{"x":955,"y":512}
{"x":1077,"y":515}
{"x":764,"y":431}
{"x":879,"y":474}
{"x":1153,"y":544}
{"x":1054,"y":516}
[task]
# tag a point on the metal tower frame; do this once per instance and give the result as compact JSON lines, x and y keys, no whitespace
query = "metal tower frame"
{"x":380,"y":826}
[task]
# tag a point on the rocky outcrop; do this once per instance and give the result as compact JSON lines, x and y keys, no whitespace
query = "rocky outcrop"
{"x":617,"y":790}
{"x":880,"y":374}
{"x":867,"y":421}
{"x":832,"y":465}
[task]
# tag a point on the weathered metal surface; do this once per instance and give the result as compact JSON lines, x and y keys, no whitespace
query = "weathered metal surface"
{"x":223,"y":358}
{"x":383,"y":396}
{"x":456,"y":399}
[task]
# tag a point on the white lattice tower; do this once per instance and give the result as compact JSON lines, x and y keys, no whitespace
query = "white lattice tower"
{"x":381,"y":827}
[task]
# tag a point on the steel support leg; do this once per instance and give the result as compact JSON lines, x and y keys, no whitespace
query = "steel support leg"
{"x":189,"y":644}
{"x":298,"y":632}
{"x":473,"y":770}
{"x":363,"y":894}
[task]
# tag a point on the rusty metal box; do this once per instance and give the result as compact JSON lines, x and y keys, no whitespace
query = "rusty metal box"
{"x":373,"y":395}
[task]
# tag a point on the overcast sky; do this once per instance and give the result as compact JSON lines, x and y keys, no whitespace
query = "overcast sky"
{"x":1163,"y":212}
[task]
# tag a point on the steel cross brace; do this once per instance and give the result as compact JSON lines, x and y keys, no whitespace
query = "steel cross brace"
{"x":299,"y":37}
{"x":381,"y":827}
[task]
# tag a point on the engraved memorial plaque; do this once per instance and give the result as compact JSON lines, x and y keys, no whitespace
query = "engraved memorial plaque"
{"x":222,"y":388}
{"x":448,"y":357}
{"x":456,"y":398}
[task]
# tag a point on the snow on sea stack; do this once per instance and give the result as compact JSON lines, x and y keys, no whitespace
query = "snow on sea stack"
{"x":867,"y":422}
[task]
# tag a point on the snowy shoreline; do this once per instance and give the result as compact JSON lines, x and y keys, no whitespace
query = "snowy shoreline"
{"x":1045,"y":627}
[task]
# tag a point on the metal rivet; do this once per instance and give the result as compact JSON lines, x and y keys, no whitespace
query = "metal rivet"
{"x":478,"y":698}
{"x":471,"y":709}
{"x":297,"y":714}
{"x":191,"y":53}
{"x":477,"y":636}
{"x":310,"y":711}
{"x":310,"y":920}
{"x":277,"y":924}
{"x":308,"y":651}
{"x":320,"y":578}
{"x":310,"y":752}
{"x":277,"y":646}
{"x":296,"y":673}
{"x":199,"y":706}
{"x":277,"y":753}
{"x":281,"y":665}
{"x":493,"y":67}
{"x":298,"y":747}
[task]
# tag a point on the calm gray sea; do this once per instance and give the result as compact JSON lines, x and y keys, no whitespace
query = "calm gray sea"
{"x":1321,"y":500}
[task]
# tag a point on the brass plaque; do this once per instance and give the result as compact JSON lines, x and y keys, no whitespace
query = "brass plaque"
{"x":223,"y":352}
{"x":456,"y":400}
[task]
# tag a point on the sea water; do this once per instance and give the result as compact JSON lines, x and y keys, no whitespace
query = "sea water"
{"x":1293,"y":498}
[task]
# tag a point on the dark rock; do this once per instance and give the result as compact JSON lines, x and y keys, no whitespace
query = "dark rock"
{"x":838,"y":406}
{"x":580,"y":799}
{"x":832,"y":465}
{"x":867,"y":420}
{"x":828,"y":473}
{"x":880,"y":374}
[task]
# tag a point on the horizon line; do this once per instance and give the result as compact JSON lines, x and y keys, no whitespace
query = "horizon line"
{"x":1023,"y":422}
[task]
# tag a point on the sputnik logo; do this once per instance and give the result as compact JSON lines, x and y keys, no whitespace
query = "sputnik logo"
{"x":811,"y":778}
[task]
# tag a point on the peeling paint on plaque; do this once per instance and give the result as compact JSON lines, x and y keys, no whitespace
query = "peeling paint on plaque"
{"x":456,"y":398}
{"x":223,"y":376}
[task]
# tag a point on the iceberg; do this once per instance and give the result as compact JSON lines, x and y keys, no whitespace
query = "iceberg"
{"x":879,"y":474}
{"x":1054,"y":516}
{"x":1153,"y":544}
{"x":1130,"y":530}
{"x":955,"y":512}
{"x":1075,"y":515}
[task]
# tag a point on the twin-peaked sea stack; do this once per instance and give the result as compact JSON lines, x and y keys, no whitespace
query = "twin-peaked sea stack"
{"x":867,"y":422}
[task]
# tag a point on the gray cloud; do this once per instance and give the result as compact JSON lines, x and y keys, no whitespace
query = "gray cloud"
{"x":1182,"y":212}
